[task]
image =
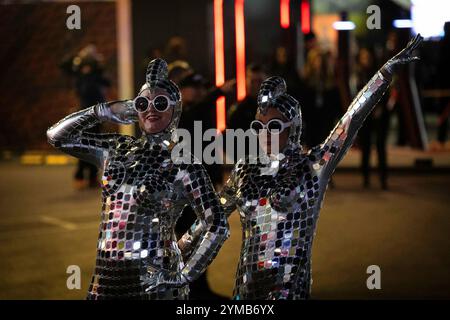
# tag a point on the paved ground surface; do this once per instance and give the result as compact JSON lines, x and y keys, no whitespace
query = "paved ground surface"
{"x":46,"y":226}
{"x":397,"y":157}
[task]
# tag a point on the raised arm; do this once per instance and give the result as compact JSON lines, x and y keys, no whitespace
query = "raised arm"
{"x":328,"y":155}
{"x":70,"y":136}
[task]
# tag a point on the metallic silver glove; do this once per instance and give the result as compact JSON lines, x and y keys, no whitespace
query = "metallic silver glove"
{"x":121,"y":112}
{"x":403,"y":57}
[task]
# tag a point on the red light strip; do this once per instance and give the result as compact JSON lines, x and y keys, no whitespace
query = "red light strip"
{"x":219,"y":61}
{"x":240,"y":48}
{"x":305,"y":18}
{"x":284,"y":14}
{"x":221,"y":114}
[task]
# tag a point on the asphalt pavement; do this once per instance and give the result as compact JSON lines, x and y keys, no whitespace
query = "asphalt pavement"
{"x":46,"y":226}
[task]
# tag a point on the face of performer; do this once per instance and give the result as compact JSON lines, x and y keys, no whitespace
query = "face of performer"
{"x":152,"y":121}
{"x":265,"y":138}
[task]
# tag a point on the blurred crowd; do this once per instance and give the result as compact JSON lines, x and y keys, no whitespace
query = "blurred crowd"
{"x":318,"y":85}
{"x":86,"y":68}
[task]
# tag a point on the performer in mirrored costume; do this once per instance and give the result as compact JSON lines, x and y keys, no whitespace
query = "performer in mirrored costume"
{"x":279,"y":202}
{"x":143,"y":194}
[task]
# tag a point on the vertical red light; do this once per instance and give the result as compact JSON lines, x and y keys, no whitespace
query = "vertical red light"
{"x":240,"y":48}
{"x":219,"y":61}
{"x":305,"y":18}
{"x":284,"y":14}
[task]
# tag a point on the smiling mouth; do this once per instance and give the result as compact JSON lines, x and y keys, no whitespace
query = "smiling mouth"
{"x":152,"y":118}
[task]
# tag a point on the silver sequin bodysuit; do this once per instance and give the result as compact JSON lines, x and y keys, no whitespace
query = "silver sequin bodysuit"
{"x":143,"y":194}
{"x":279,"y":202}
{"x":280,"y":208}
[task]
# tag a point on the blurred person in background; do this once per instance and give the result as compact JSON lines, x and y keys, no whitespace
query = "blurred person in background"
{"x":242,"y":113}
{"x":320,"y":97}
{"x":176,"y":49}
{"x":199,"y":104}
{"x":178,"y":70}
{"x":283,"y":66}
{"x":392,"y":45}
{"x":377,"y":123}
{"x":311,"y":43}
{"x":90,"y":83}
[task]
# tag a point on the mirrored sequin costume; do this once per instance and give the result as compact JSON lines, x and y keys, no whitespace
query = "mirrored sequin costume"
{"x":143,"y":194}
{"x":279,"y":209}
